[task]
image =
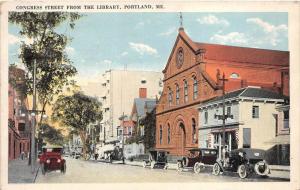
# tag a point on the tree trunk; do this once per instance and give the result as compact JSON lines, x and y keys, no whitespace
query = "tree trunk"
{"x":83,"y":139}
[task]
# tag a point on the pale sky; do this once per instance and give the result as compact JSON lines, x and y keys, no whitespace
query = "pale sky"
{"x":143,"y":41}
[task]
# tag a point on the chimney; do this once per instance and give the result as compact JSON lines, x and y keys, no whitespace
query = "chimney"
{"x":143,"y":93}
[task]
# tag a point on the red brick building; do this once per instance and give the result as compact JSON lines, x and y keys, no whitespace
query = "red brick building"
{"x":192,"y":75}
{"x":18,"y":123}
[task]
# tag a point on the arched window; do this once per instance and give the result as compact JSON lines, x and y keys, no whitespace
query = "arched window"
{"x":170,"y":96}
{"x":169,"y":134}
{"x":160,"y":134}
{"x":194,"y":134}
{"x":177,"y":94}
{"x":234,"y":76}
{"x":185,"y":90}
{"x":195,"y":88}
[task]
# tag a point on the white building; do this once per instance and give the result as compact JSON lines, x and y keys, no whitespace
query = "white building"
{"x":251,"y":119}
{"x":120,"y":87}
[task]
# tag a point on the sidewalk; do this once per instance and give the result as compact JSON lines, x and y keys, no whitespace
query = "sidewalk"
{"x":279,"y":171}
{"x":20,"y":172}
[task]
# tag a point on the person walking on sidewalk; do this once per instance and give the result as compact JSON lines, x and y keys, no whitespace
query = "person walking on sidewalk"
{"x":22,"y":155}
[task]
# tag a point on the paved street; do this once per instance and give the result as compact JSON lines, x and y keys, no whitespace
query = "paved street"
{"x":79,"y":171}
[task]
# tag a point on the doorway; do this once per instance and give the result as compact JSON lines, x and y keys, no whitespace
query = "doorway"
{"x":181,"y":139}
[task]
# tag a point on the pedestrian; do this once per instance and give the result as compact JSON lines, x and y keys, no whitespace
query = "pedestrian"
{"x":22,"y":155}
{"x":96,"y":156}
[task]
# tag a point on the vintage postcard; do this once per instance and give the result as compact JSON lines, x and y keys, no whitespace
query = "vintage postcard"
{"x":147,"y":95}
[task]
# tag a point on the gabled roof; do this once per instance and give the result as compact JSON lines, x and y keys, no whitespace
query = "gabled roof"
{"x":181,"y":35}
{"x":149,"y":106}
{"x":244,"y":54}
{"x":249,"y":92}
{"x":140,"y":103}
{"x":233,"y":53}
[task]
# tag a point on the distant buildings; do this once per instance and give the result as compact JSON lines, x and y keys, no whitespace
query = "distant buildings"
{"x":193,"y":75}
{"x":119,"y":88}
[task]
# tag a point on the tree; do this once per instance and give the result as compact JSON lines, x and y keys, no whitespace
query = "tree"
{"x":77,"y":112}
{"x":47,"y":49}
{"x":149,"y":123}
{"x":51,"y":135}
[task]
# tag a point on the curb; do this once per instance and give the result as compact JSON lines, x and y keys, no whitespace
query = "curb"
{"x":38,"y":169}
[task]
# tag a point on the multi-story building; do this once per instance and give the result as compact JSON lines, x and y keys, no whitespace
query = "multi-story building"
{"x":280,"y":153}
{"x":250,"y":119}
{"x":120,"y":87}
{"x":18,"y":116}
{"x":194,"y":73}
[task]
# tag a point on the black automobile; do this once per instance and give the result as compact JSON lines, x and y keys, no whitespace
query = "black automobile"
{"x":244,"y":161}
{"x":197,"y":159}
{"x":157,"y":159}
{"x":115,"y":155}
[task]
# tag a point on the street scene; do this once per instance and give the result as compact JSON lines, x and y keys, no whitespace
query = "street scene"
{"x":135,"y":173}
{"x":148,"y":98}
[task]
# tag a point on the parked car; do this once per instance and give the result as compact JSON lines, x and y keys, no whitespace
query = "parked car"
{"x":51,"y":160}
{"x":197,"y":159}
{"x":244,"y":161}
{"x":77,"y":152}
{"x":115,"y":154}
{"x":157,"y":158}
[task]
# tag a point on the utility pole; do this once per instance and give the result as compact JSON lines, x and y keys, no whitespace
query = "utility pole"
{"x":33,"y":120}
{"x":223,"y":117}
{"x":123,"y":134}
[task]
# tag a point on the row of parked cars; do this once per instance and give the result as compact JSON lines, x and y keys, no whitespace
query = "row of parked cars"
{"x":244,"y":161}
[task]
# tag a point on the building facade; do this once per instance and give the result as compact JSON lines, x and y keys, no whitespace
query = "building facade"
{"x":193,"y":74}
{"x":18,"y":117}
{"x":120,"y":87}
{"x":250,"y":119}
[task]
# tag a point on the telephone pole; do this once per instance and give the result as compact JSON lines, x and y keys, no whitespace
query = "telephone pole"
{"x":223,"y":117}
{"x":33,"y":121}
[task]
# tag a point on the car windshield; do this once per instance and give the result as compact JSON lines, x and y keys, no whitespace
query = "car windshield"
{"x":209,"y":152}
{"x":194,"y":153}
{"x":58,"y":150}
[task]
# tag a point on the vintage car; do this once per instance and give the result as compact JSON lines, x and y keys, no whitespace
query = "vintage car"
{"x":115,"y":154}
{"x":77,"y":152}
{"x":244,"y":161}
{"x":51,"y":160}
{"x":197,"y":159}
{"x":157,"y":158}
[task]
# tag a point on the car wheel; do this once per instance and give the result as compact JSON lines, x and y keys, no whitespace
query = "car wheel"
{"x":166,"y":166}
{"x":179,"y":166}
{"x":144,"y":164}
{"x":185,"y":161}
{"x":152,"y":165}
{"x":43,"y":168}
{"x":242,"y":171}
{"x":216,"y":169}
{"x":197,"y":167}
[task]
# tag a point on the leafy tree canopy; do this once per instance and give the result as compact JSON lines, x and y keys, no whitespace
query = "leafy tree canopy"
{"x":77,"y":111}
{"x":51,"y":135}
{"x":47,"y":49}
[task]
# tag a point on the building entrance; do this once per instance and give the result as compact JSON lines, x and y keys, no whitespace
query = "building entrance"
{"x":181,"y":139}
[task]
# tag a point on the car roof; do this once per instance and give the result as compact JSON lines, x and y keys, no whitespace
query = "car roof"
{"x":157,"y":150}
{"x":248,"y":150}
{"x":52,"y":147}
{"x":199,"y":149}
